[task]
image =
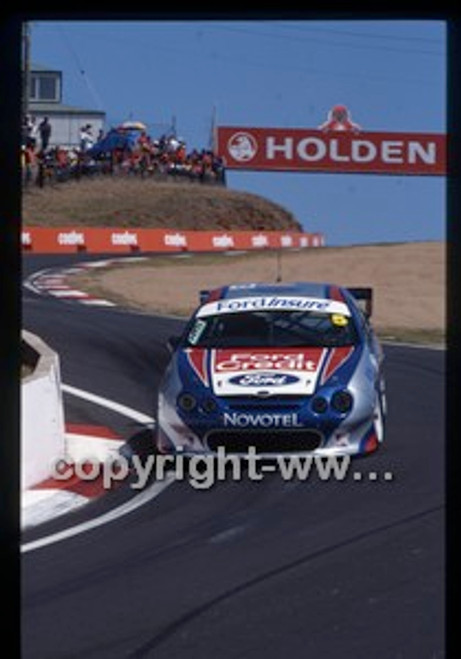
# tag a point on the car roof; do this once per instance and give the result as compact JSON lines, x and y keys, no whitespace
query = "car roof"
{"x":283,"y":289}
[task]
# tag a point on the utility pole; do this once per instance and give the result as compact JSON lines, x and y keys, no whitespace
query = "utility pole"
{"x":279,"y":265}
{"x":212,"y":138}
{"x":25,"y":68}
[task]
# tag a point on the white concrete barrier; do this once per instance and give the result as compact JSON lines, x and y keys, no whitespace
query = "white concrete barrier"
{"x":42,"y":414}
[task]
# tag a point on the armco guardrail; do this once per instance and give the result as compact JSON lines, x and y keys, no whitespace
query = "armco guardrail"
{"x":42,"y":413}
{"x":121,"y":240}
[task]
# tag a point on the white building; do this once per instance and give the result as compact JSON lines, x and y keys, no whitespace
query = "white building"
{"x":45,"y":100}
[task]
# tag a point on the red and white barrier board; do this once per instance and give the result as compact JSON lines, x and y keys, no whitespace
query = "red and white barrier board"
{"x":121,"y":240}
{"x":295,"y":149}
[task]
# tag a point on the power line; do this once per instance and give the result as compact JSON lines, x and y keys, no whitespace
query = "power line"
{"x":368,"y":35}
{"x":180,"y":52}
{"x":80,"y":68}
{"x":326,"y":42}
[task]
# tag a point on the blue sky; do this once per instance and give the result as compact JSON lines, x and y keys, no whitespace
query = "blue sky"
{"x":390,"y":73}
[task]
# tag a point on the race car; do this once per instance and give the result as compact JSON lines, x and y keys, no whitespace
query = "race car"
{"x":286,"y":368}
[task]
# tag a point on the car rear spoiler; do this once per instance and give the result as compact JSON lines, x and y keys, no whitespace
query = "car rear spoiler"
{"x":364,"y":297}
{"x":203,"y":296}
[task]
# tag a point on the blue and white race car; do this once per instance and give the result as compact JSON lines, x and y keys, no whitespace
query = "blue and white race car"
{"x":288,"y":368}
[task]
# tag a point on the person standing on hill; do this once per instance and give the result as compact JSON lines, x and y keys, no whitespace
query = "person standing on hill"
{"x":45,"y":133}
{"x":86,"y":138}
{"x":33,"y":132}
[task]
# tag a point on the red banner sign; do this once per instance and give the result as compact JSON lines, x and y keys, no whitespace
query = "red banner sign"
{"x":101,"y":240}
{"x":291,"y":149}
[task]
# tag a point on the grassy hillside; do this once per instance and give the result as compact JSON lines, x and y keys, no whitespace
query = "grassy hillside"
{"x":130,"y":202}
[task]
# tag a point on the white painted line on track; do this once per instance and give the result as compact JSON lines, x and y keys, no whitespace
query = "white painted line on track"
{"x":46,"y":272}
{"x":32,"y":288}
{"x":139,"y":500}
{"x":99,"y":303}
{"x":48,"y":288}
{"x":67,"y":293}
{"x":80,"y":447}
{"x":95,"y":264}
{"x":71,"y":271}
{"x":109,"y":404}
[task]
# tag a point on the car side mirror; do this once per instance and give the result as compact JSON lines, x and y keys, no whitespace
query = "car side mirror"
{"x":172,"y":343}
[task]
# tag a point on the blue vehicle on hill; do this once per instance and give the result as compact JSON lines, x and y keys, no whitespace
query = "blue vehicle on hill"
{"x":288,"y":368}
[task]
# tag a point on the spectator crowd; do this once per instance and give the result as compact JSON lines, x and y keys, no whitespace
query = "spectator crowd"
{"x":120,"y":152}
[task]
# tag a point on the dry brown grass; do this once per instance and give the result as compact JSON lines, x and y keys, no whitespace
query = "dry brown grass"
{"x":408,"y":280}
{"x":133,"y":202}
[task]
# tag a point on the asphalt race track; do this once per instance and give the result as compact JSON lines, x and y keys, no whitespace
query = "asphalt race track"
{"x":244,"y":570}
